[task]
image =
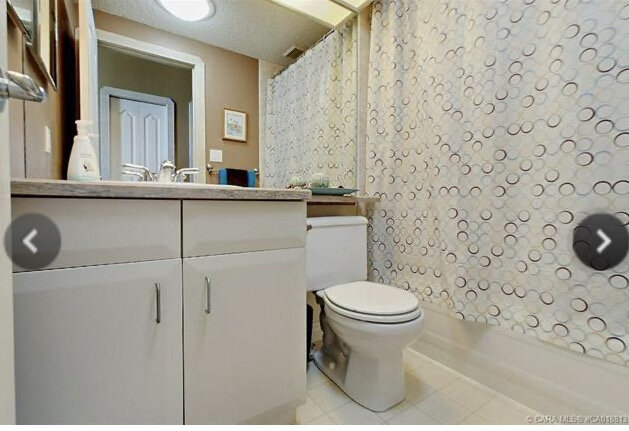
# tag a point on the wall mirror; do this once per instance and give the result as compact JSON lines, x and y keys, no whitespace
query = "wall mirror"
{"x":37,"y":19}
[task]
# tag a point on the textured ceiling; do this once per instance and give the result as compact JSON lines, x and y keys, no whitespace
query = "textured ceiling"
{"x":257,"y":28}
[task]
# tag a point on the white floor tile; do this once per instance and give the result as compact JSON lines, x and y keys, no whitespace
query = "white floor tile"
{"x":517,"y":405}
{"x":435,"y":394}
{"x":467,"y":394}
{"x":322,"y":420}
{"x":395,"y":410}
{"x":328,"y":396}
{"x":416,"y":389}
{"x":308,"y":411}
{"x":436,"y":376}
{"x":499,"y":412}
{"x":474,"y":420}
{"x":412,"y":416}
{"x":314,"y":376}
{"x":354,"y":414}
{"x":443,"y":409}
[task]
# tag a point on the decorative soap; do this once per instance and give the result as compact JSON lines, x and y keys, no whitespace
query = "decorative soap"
{"x":297,"y":182}
{"x":320,"y":180}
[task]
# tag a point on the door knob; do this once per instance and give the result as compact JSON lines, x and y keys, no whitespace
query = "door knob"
{"x":18,"y":86}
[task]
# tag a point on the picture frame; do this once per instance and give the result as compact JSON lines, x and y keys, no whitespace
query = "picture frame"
{"x":234,"y":125}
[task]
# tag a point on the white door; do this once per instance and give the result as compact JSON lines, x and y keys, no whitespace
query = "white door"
{"x":7,"y":392}
{"x":99,"y":345}
{"x":244,"y":334}
{"x":139,"y":134}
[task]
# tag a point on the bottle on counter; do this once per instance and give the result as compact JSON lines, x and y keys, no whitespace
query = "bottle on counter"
{"x":83,"y":164}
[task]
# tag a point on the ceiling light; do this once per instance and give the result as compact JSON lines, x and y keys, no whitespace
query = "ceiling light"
{"x":189,"y":10}
{"x":325,"y":11}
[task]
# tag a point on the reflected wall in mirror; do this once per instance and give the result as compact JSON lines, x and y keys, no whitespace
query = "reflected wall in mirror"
{"x":201,"y":67}
{"x":25,"y":11}
{"x":38,"y":21}
{"x":142,"y":121}
{"x":47,"y":36}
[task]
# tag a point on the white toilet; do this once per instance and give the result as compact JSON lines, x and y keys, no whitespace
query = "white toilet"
{"x":366,"y":326}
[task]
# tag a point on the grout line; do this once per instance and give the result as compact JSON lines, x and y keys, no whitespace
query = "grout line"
{"x":492,"y":394}
{"x":448,"y":398}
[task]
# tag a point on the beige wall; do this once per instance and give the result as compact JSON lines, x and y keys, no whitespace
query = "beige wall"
{"x":231,"y":81}
{"x":119,"y":70}
{"x":27,"y":121}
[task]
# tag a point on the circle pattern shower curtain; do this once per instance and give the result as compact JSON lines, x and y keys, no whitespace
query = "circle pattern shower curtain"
{"x":494,"y":128}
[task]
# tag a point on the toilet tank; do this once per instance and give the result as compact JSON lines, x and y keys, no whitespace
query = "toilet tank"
{"x":336,"y":251}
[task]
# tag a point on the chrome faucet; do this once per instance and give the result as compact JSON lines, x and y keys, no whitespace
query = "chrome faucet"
{"x":183,"y":173}
{"x":166,"y":173}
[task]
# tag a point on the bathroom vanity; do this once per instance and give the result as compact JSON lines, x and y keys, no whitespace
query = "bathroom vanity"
{"x":166,"y":305}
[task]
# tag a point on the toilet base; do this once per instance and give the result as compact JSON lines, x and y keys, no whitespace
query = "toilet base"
{"x":353,"y":378}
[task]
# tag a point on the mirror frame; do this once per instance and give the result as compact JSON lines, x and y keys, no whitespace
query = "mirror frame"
{"x":31,"y":41}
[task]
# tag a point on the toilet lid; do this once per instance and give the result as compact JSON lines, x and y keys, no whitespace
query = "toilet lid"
{"x":364,"y":297}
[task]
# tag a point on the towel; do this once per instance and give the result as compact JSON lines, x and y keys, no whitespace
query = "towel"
{"x":237,"y":177}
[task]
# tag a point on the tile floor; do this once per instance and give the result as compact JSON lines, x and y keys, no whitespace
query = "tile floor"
{"x":436,"y":394}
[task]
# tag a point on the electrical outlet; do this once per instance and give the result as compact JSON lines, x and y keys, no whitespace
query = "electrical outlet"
{"x":47,"y":140}
{"x":216,"y":156}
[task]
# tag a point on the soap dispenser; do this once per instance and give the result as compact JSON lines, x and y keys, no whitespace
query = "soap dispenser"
{"x":83,"y":165}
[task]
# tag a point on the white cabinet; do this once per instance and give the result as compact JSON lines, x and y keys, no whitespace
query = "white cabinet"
{"x":89,"y":348}
{"x":104,"y":231}
{"x":244,"y":335}
{"x":219,"y":227}
{"x":99,"y":344}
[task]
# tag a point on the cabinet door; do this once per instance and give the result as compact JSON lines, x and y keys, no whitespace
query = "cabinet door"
{"x":244,"y":334}
{"x":90,"y":349}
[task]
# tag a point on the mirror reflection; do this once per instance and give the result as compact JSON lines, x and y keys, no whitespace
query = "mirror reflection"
{"x":38,"y":21}
{"x":186,"y":84}
{"x":25,"y":10}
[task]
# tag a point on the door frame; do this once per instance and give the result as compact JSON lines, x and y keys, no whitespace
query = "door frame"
{"x":106,"y":93}
{"x":162,"y":54}
{"x":7,"y":379}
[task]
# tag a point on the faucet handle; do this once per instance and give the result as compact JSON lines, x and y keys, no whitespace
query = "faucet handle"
{"x":182,"y":173}
{"x":143,"y":170}
{"x":137,"y":174}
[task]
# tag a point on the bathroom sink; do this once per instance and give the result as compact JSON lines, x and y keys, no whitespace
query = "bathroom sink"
{"x":198,"y":185}
{"x":210,"y":186}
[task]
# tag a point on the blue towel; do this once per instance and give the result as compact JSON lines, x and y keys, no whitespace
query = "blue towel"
{"x":237,"y":177}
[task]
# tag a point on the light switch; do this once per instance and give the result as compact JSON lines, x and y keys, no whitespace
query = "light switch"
{"x":216,"y":156}
{"x":47,"y":140}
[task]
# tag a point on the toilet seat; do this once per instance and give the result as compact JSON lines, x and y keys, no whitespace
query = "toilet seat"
{"x":372,"y":302}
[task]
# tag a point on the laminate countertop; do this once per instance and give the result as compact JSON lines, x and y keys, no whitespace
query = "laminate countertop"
{"x":149,"y":190}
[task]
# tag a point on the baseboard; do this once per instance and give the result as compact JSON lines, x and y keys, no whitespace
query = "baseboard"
{"x":540,"y":375}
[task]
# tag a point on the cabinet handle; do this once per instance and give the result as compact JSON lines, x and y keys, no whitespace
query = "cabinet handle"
{"x":158,"y":298}
{"x":208,"y":295}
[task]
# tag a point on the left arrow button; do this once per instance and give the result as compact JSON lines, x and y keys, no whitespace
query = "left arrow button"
{"x":33,"y":241}
{"x":28,"y":241}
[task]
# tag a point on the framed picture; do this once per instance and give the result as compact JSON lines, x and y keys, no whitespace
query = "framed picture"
{"x":234,"y":125}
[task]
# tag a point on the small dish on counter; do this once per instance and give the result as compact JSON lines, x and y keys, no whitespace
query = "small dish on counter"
{"x":339,"y":191}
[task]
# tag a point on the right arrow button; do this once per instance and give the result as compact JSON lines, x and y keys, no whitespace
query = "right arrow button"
{"x":601,"y":241}
{"x":606,"y":241}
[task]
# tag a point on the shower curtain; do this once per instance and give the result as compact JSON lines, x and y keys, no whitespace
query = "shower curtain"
{"x":311,"y":114}
{"x":494,"y":128}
